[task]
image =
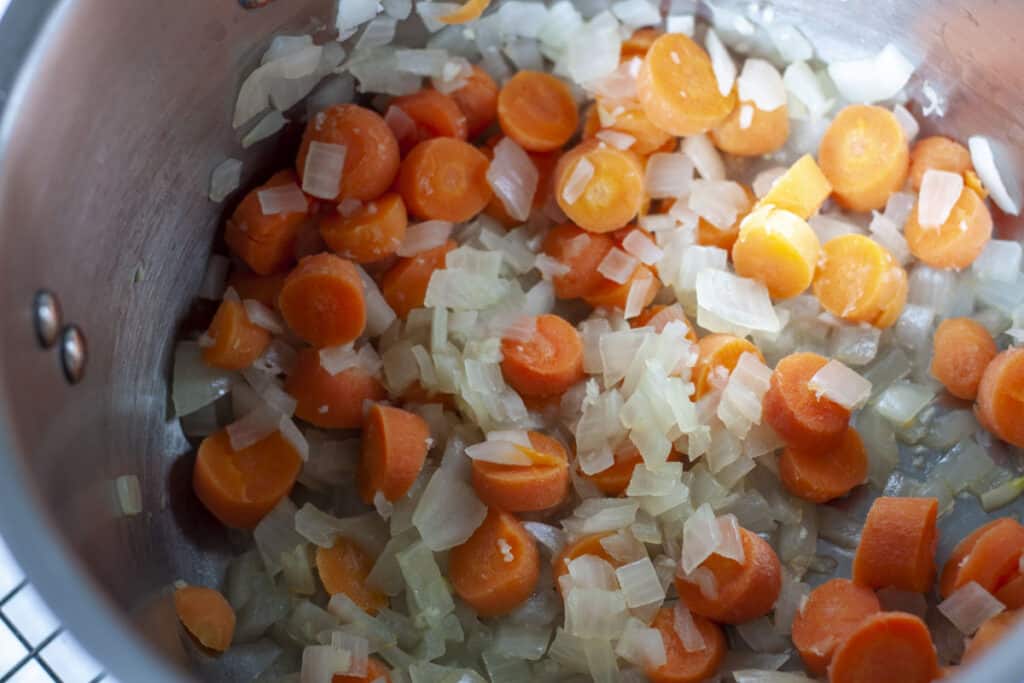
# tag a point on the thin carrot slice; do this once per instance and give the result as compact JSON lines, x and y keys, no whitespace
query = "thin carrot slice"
{"x":395,"y":444}
{"x":612,"y":295}
{"x":972,"y":181}
{"x":580,"y":252}
{"x":777,"y":248}
{"x":331,"y":401}
{"x":470,"y":10}
{"x":957,"y":242}
{"x":660,"y":315}
{"x":638,"y":43}
{"x":404,"y":285}
{"x":371,"y":151}
{"x":746,"y":590}
{"x":716,"y":351}
{"x":343,"y":568}
{"x":373,"y":232}
{"x":989,"y":634}
{"x":587,"y":545}
{"x":444,"y":179}
{"x":525,"y":489}
{"x":207,"y":615}
{"x":236,"y":341}
{"x":681,"y":665}
{"x":830,"y":614}
{"x":548,"y":363}
{"x":897,"y":545}
{"x":994,"y":559}
{"x":678,"y":89}
{"x":895,"y":288}
{"x":376,"y":672}
{"x":802,"y":189}
{"x":497,"y":568}
{"x":537,"y":110}
{"x":821,"y":475}
{"x":888,"y":647}
{"x":600,"y":188}
{"x":478,"y":100}
{"x":262,"y":288}
{"x":435,"y":114}
{"x":751,"y":132}
{"x":858,"y":280}
{"x":937,"y":153}
{"x":1011,"y":593}
{"x":947,"y":580}
{"x":963,"y":349}
{"x":266,"y":243}
{"x":323,"y":302}
{"x":1001,"y":396}
{"x":630,"y":119}
{"x":800,"y":417}
{"x":240,"y":487}
{"x":864,"y":154}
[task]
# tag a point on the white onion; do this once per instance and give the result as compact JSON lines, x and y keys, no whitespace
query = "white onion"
{"x":740,"y":404}
{"x":902,"y":401}
{"x":550,"y":268}
{"x":525,"y":55}
{"x":746,"y":116}
{"x":765,"y":676}
{"x":721,"y":62}
{"x":225,"y":179}
{"x":590,"y":571}
{"x":524,"y":19}
{"x":261,"y":316}
{"x":887,"y":233}
{"x":592,"y":51}
{"x":592,"y":462}
{"x":705,"y":157}
{"x":668,"y":175}
{"x":764,"y":180}
{"x":337,"y":359}
{"x":719,"y":202}
{"x":996,"y":173}
{"x":324,"y":165}
{"x":266,"y":127}
{"x":616,"y":139}
{"x":701,"y":537}
{"x":907,"y":122}
{"x":282,"y":199}
{"x":320,"y":663}
{"x":424,"y":236}
{"x":737,"y":301}
{"x":641,"y":645}
{"x":803,"y":84}
{"x":421,"y":62}
{"x":1004,"y":494}
{"x":761,"y":636}
{"x":618,"y":266}
{"x":548,"y":536}
{"x":839,"y":383}
{"x":595,"y":613}
{"x":790,"y":43}
{"x":940,"y":191}
{"x":761,"y":83}
{"x":428,"y":595}
{"x":461,"y":290}
{"x":970,"y":606}
{"x":696,"y":260}
{"x":597,"y":515}
{"x":872,"y":79}
{"x":680,"y":23}
{"x":400,"y":123}
{"x":578,"y":180}
{"x":731,"y":544}
{"x":454,"y":75}
{"x":563,"y":20}
{"x":686,"y":629}
{"x":129,"y":494}
{"x":295,"y":438}
{"x":855,"y":344}
{"x":514,"y":178}
{"x":639,"y":583}
{"x":448,"y":512}
{"x":253,"y":427}
{"x":999,"y":261}
{"x":275,"y":534}
{"x":380,"y":31}
{"x":284,"y":45}
{"x":195,"y":384}
{"x":914,"y":326}
{"x":636,"y":13}
{"x":965,"y":465}
{"x":500,"y":452}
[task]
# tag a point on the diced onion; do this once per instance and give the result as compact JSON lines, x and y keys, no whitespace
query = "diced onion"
{"x":550,"y":268}
{"x":380,"y":31}
{"x":590,"y":571}
{"x":701,"y":537}
{"x":839,"y":383}
{"x":970,"y":606}
{"x":592,"y":51}
{"x":379,"y":314}
{"x":400,"y":123}
{"x":195,"y":384}
{"x":253,"y":427}
{"x":996,"y":174}
{"x":680,"y":23}
{"x":548,"y":536}
{"x":802,"y":83}
{"x":592,"y":462}
{"x":940,"y":191}
{"x":719,"y":202}
{"x":578,"y":181}
{"x":291,"y":434}
{"x":261,"y":316}
{"x":322,"y":173}
{"x":639,"y":583}
{"x":790,"y":43}
{"x":616,"y":139}
{"x":686,"y":629}
{"x":320,"y":663}
{"x":448,"y":512}
{"x":721,"y":62}
{"x":902,"y":401}
{"x":354,"y":13}
{"x":705,"y":157}
{"x":735,"y":300}
{"x":641,"y":645}
{"x":225,"y":179}
{"x":595,"y":613}
{"x":668,"y":175}
{"x":129,"y":494}
{"x":618,"y":266}
{"x":872,"y":79}
{"x":514,"y":177}
{"x":999,"y":261}
{"x":761,"y":83}
{"x":423,"y":236}
{"x":761,"y":635}
{"x":636,"y":13}
{"x":731,"y":544}
{"x":266,"y":127}
{"x":907,"y":122}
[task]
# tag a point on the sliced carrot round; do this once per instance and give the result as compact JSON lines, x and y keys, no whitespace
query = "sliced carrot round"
{"x":266,"y":243}
{"x":614,"y":480}
{"x":376,"y":672}
{"x":821,"y":475}
{"x":478,"y":100}
{"x":888,"y":647}
{"x":525,"y":488}
{"x":751,"y":132}
{"x":859,"y":281}
{"x":537,"y":110}
{"x":581,"y":252}
{"x":947,"y":580}
{"x":638,"y":43}
{"x":628,"y":118}
{"x":989,"y":634}
{"x":404,"y":285}
{"x":497,"y":568}
{"x":1011,"y":593}
{"x":236,"y":341}
{"x":343,"y":568}
{"x":681,"y":665}
{"x":864,"y":154}
{"x":897,"y":545}
{"x":830,"y":614}
{"x":548,"y":363}
{"x":1001,"y":396}
{"x":587,"y":545}
{"x":895,"y":288}
{"x":207,"y":615}
{"x":330,"y":401}
{"x":718,"y":351}
{"x":373,"y":232}
{"x":802,"y":189}
{"x":323,"y":302}
{"x":957,"y":242}
{"x":777,"y":248}
{"x":963,"y":349}
{"x":444,"y":179}
{"x":994,"y":559}
{"x":660,"y":315}
{"x":600,"y":188}
{"x":240,"y":487}
{"x":612,"y":295}
{"x":937,"y":153}
{"x":395,"y":444}
{"x":262,"y":288}
{"x":678,"y":89}
{"x":371,"y":151}
{"x":435,"y":114}
{"x":800,"y":417}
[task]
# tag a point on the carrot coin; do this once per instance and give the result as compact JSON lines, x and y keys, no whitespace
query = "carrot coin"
{"x":822,"y":475}
{"x":331,"y":401}
{"x":638,"y":43}
{"x":478,"y":100}
{"x":207,"y":615}
{"x":681,"y":665}
{"x":235,"y":341}
{"x":947,"y":580}
{"x":343,"y":568}
{"x":581,"y":252}
{"x":525,"y":488}
{"x":798,"y":415}
{"x":548,"y":363}
{"x":444,"y":179}
{"x":897,"y":545}
{"x":537,"y":110}
{"x":989,"y":634}
{"x":716,"y":351}
{"x":600,"y":188}
{"x":435,"y":114}
{"x":830,"y":614}
{"x":777,"y":248}
{"x":266,"y":242}
{"x":612,"y":295}
{"x":751,"y":132}
{"x":1001,"y":396}
{"x":395,"y":444}
{"x":1011,"y":593}
{"x":262,"y":288}
{"x":373,"y":232}
{"x":963,"y":349}
{"x":888,"y":647}
{"x":994,"y":559}
{"x":859,"y":281}
{"x":957,"y":242}
{"x":628,"y":118}
{"x":323,"y":302}
{"x":937,"y":153}
{"x":404,"y":285}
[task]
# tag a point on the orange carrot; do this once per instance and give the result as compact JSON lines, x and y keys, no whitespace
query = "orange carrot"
{"x":681,"y":665}
{"x":537,"y":110}
{"x":343,"y":568}
{"x":376,"y":672}
{"x":470,"y":10}
{"x":777,"y":248}
{"x":240,"y":487}
{"x":821,"y":475}
{"x":404,"y":285}
{"x":435,"y":114}
{"x":478,"y":100}
{"x":718,"y":351}
{"x":615,"y":480}
{"x":373,"y":232}
{"x":897,"y":545}
{"x":417,"y":393}
{"x":800,"y":417}
{"x":660,"y":315}
{"x":600,"y":188}
{"x":957,"y":242}
{"x":830,"y":614}
{"x":497,"y":568}
{"x":237,"y":342}
{"x":746,"y":590}
{"x":963,"y":349}
{"x":937,"y":153}
{"x":802,"y":189}
{"x":638,"y":43}
{"x":947,"y":580}
{"x":888,"y":647}
{"x":548,"y":363}
{"x":1011,"y":593}
{"x":764,"y":132}
{"x":323,"y":302}
{"x":989,"y":634}
{"x":444,"y":179}
{"x":395,"y":444}
{"x":612,"y":295}
{"x":1001,"y":397}
{"x":859,"y":280}
{"x":371,"y":151}
{"x":330,"y":401}
{"x":265,"y":242}
{"x":581,"y":253}
{"x":994,"y":559}
{"x":525,"y":488}
{"x":628,"y":118}
{"x":262,"y":288}
{"x":207,"y":615}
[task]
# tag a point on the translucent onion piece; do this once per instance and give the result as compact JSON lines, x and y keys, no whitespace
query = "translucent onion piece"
{"x":195,"y":384}
{"x":354,"y":13}
{"x":320,"y":663}
{"x":616,"y":139}
{"x":592,"y":52}
{"x":595,"y":613}
{"x":907,"y":122}
{"x":427,"y":591}
{"x":266,"y":127}
{"x":761,"y":84}
{"x":423,"y":236}
{"x":804,"y":86}
{"x":639,"y":583}
{"x":548,"y":536}
{"x":970,"y":606}
{"x":618,"y":266}
{"x":448,"y":512}
{"x":261,"y":316}
{"x":839,"y":383}
{"x":636,"y":13}
{"x":380,"y":31}
{"x":590,"y":571}
{"x":790,"y":43}
{"x":499,"y":452}
{"x":685,"y":628}
{"x":400,"y":123}
{"x":324,"y":165}
{"x":668,"y":175}
{"x":736,"y":301}
{"x":705,"y":157}
{"x":550,"y":268}
{"x":997,"y":175}
{"x":940,"y":190}
{"x":641,"y":645}
{"x":636,"y":298}
{"x":999,"y":261}
{"x":731,"y":544}
{"x":578,"y":180}
{"x":902,"y":401}
{"x":514,"y":178}
{"x":872,"y":79}
{"x":225,"y":179}
{"x":719,"y":202}
{"x":721,"y":62}
{"x":275,"y":534}
{"x":761,"y":636}
{"x":253,"y":427}
{"x":701,"y":537}
{"x":680,"y":23}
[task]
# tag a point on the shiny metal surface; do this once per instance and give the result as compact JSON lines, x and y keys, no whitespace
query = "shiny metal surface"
{"x":114,"y":113}
{"x":74,"y":354}
{"x":46,"y":317}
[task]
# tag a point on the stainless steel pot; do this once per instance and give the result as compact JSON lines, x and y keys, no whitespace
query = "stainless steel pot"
{"x":114,"y":113}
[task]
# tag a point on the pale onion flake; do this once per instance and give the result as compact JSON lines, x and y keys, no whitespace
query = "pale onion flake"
{"x":721,"y":62}
{"x":261,"y":316}
{"x":701,"y":537}
{"x":872,"y":79}
{"x":668,"y":175}
{"x":637,"y":297}
{"x":286,"y":198}
{"x":618,"y":266}
{"x":907,"y":122}
{"x":322,"y":173}
{"x":839,"y":383}
{"x":616,"y":139}
{"x":705,"y":157}
{"x":513,"y":177}
{"x":736,"y":301}
{"x":641,"y":645}
{"x":424,"y":236}
{"x":637,"y":244}
{"x":940,"y":191}
{"x":970,"y":606}
{"x":639,"y":583}
{"x":225,"y":179}
{"x":578,"y":180}
{"x":499,"y":452}
{"x":686,"y":629}
{"x":267,"y":126}
{"x":761,"y":83}
{"x":996,"y":173}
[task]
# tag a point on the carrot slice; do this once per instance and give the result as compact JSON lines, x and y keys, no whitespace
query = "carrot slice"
{"x":994,"y":559}
{"x":660,"y":315}
{"x":989,"y":634}
{"x":587,"y":545}
{"x":404,"y":285}
{"x":800,"y":417}
{"x":537,"y":110}
{"x":630,"y":119}
{"x":497,"y":568}
{"x":615,"y":480}
{"x":947,"y":580}
{"x":444,"y":179}
{"x":376,"y":672}
{"x":895,"y":288}
{"x":777,"y":248}
{"x":678,"y":89}
{"x":580,"y":252}
{"x":864,"y":154}
{"x":1012,"y":592}
{"x":830,"y":614}
{"x":237,"y":342}
{"x":262,"y":288}
{"x":470,"y":10}
{"x":548,"y":363}
{"x":612,"y":295}
{"x":373,"y":232}
{"x":371,"y":151}
{"x":395,"y":444}
{"x":343,"y":568}
{"x":240,"y":487}
{"x":718,"y":351}
{"x":525,"y":489}
{"x":763,"y":133}
{"x":1001,"y":398}
{"x":859,"y":281}
{"x":638,"y":43}
{"x":746,"y":590}
{"x":435,"y":114}
{"x":478,"y":100}
{"x":266,"y":243}
{"x":802,"y":189}
{"x":820,"y":476}
{"x":681,"y":665}
{"x":957,"y":242}
{"x":963,"y":349}
{"x":897,"y":545}
{"x":600,"y":188}
{"x":937,"y":153}
{"x":207,"y":615}
{"x":331,"y":401}
{"x":323,"y":302}
{"x":888,"y":647}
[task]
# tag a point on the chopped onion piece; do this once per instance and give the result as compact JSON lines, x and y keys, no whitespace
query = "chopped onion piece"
{"x":761,"y":83}
{"x":1004,"y":494}
{"x":680,"y":23}
{"x":902,"y":401}
{"x":761,"y":635}
{"x":705,"y":157}
{"x":970,"y":606}
{"x":225,"y":179}
{"x":578,"y":181}
{"x":701,"y":537}
{"x":354,"y":13}
{"x":380,"y":31}
{"x":765,"y":676}
{"x":872,"y":79}
{"x":731,"y":544}
{"x":320,"y":663}
{"x":590,"y":571}
{"x":686,"y":629}
{"x":802,"y":83}
{"x":499,"y":452}
{"x":640,"y":583}
{"x":421,"y":237}
{"x":322,"y":174}
{"x":261,"y":316}
{"x":426,"y":590}
{"x":999,"y":261}
{"x":719,"y":202}
{"x":595,"y":613}
{"x":592,"y":51}
{"x":448,"y":512}
{"x":195,"y":384}
{"x":721,"y":62}
{"x":294,"y":437}
{"x":282,"y":199}
{"x":253,"y":427}
{"x":641,"y":645}
{"x":940,"y":191}
{"x":267,"y":126}
{"x":592,"y":462}
{"x":668,"y":175}
{"x":839,"y":383}
{"x":907,"y":122}
{"x":548,"y":536}
{"x":736,"y":301}
{"x":636,"y":13}
{"x":514,"y":177}
{"x":129,"y":494}
{"x":914,"y":326}
{"x":550,"y":268}
{"x":855,"y":344}
{"x":618,"y":266}
{"x":998,"y":176}
{"x":790,"y":43}
{"x":764,"y":180}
